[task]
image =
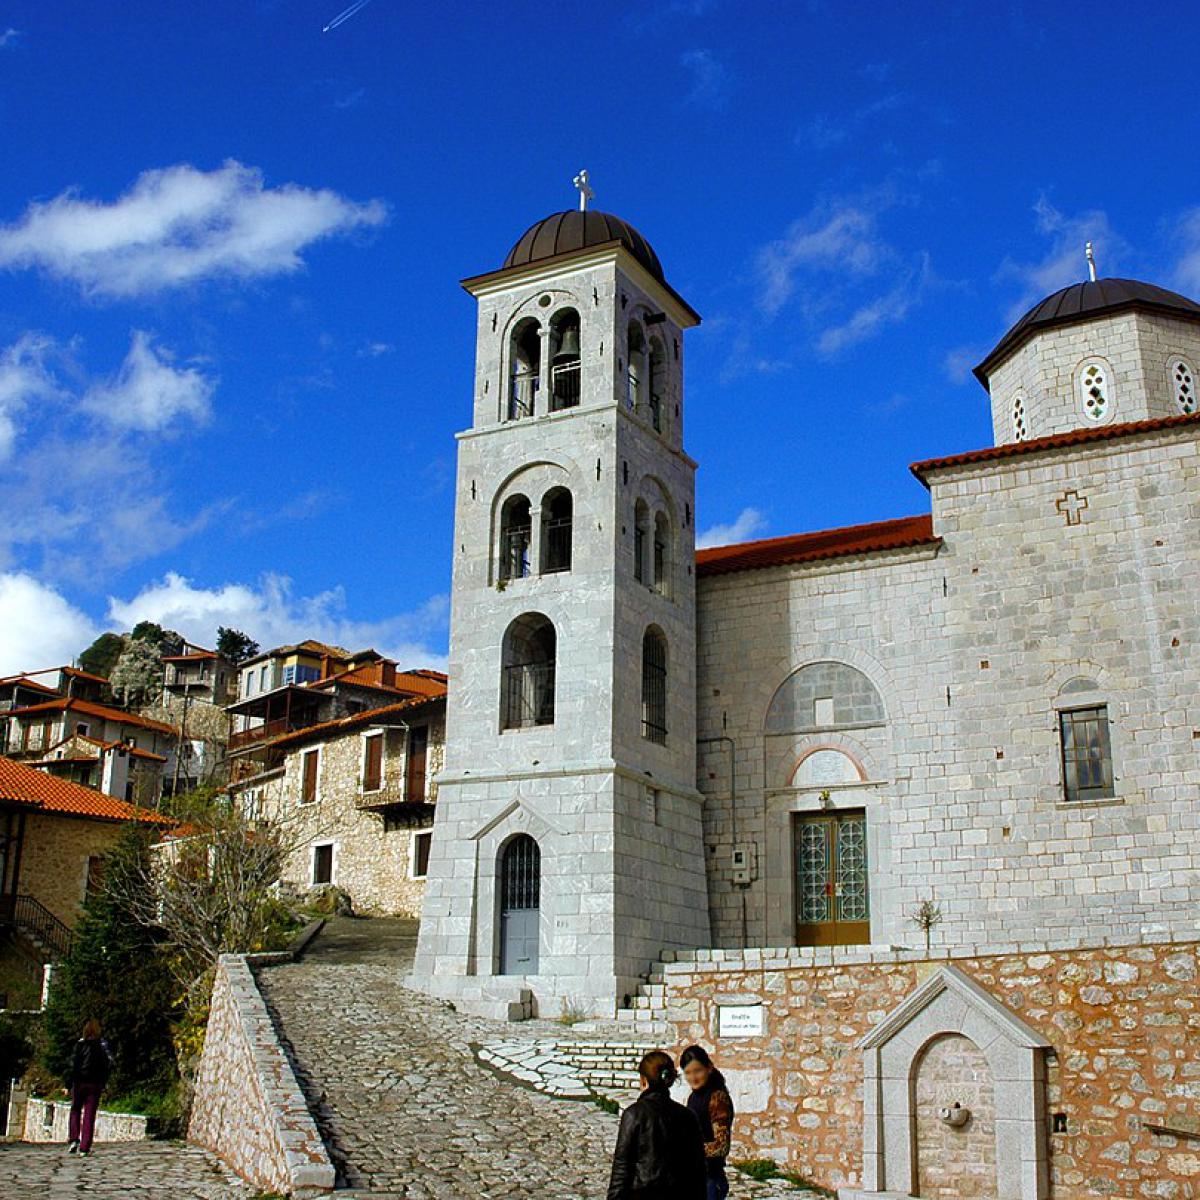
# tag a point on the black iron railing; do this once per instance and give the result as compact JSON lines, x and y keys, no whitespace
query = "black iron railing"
{"x":522,"y":398}
{"x":36,"y":921}
{"x":514,"y":552}
{"x":556,"y":554}
{"x":529,"y":695}
{"x":565,"y":385}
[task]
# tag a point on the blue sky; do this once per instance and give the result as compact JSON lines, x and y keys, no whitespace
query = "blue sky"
{"x":234,"y":352}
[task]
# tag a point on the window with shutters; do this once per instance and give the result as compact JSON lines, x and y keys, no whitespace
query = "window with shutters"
{"x":372,"y":762}
{"x":416,"y":765}
{"x":310,"y":766}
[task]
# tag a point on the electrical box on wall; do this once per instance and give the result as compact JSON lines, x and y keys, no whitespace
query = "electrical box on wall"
{"x":742,"y":862}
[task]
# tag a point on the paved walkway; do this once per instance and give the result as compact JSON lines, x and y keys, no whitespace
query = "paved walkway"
{"x":405,"y":1109}
{"x":127,"y":1171}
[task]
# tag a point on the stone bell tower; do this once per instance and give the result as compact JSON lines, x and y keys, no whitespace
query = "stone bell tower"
{"x":567,"y":848}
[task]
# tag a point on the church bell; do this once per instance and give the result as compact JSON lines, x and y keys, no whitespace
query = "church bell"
{"x":568,"y":346}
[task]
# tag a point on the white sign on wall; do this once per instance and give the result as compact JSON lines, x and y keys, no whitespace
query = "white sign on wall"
{"x":739,"y":1020}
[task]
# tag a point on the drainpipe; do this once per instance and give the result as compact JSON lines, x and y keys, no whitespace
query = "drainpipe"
{"x":728,"y":742}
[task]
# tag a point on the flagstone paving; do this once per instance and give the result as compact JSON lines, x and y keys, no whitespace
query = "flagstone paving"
{"x":404,"y":1106}
{"x":120,"y":1171}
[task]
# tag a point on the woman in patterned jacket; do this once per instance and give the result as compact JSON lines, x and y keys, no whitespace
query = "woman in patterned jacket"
{"x":712,"y":1107}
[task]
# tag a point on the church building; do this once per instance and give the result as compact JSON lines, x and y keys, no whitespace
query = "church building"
{"x":987,"y":709}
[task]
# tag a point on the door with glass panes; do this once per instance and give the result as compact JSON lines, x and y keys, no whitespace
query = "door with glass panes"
{"x":831,"y":885}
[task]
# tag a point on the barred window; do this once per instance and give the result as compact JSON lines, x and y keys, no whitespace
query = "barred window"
{"x":516,"y":526}
{"x":1086,"y":753}
{"x":654,"y":687}
{"x":528,"y":669}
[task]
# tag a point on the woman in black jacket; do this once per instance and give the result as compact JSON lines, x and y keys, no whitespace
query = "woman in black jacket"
{"x":711,"y":1105}
{"x":659,"y":1155}
{"x":90,"y":1067}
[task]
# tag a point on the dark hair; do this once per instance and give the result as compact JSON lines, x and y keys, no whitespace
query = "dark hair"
{"x":658,"y":1069}
{"x":91,"y":1029}
{"x":698,"y":1054}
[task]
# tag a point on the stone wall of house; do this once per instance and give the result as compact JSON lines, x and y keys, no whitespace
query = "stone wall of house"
{"x":248,"y":1107}
{"x":54,"y":859}
{"x":48,"y":1121}
{"x":1124,"y":1023}
{"x":373,"y":853}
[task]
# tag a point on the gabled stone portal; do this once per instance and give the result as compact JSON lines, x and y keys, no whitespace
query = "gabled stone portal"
{"x":951,"y":1036}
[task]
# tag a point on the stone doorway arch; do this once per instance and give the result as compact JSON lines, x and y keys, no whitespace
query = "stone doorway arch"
{"x":961,"y":1039}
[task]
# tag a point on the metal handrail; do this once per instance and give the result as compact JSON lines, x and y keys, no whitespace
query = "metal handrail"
{"x":529,"y":695}
{"x":30,"y":916}
{"x":565,"y":385}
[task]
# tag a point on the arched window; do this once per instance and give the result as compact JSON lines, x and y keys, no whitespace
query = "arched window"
{"x":1183,"y":384}
{"x":654,"y":686}
{"x":515,"y":533}
{"x":557,"y":516}
{"x":565,"y":378}
{"x":1095,"y":390}
{"x":662,"y":554}
{"x":527,"y":662}
{"x":658,"y":382}
{"x":1019,"y":426}
{"x":525,"y":361}
{"x":641,"y":541}
{"x":635,"y":398}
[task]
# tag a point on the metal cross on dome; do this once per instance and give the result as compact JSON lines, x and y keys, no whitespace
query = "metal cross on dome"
{"x":585,"y":190}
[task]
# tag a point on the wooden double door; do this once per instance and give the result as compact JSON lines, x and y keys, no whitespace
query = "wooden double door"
{"x":832,"y":886}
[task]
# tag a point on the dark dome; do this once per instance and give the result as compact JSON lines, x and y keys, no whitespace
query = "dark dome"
{"x":563,"y":232}
{"x":1082,"y":301}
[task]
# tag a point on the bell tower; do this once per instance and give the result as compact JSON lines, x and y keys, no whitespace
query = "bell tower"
{"x":567,"y":849}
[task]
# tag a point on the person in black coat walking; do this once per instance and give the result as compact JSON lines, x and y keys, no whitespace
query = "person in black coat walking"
{"x":659,"y":1154}
{"x":90,"y":1068}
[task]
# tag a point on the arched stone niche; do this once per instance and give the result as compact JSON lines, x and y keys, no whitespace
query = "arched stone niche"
{"x":951,"y":1005}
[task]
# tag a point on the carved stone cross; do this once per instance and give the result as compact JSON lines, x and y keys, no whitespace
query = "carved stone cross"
{"x":585,"y":191}
{"x":1071,"y":505}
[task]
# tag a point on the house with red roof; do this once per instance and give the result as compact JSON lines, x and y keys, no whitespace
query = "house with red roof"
{"x":54,"y":834}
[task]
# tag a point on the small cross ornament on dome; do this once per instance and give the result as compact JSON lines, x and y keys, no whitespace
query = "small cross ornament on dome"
{"x":1091,"y":261}
{"x":585,"y":190}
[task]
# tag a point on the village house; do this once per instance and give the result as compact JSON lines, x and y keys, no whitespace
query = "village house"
{"x":353,"y":798}
{"x":54,"y":834}
{"x":197,"y":685}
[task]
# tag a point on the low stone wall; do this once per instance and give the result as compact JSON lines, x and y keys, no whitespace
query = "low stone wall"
{"x":1123,"y":1021}
{"x":48,"y":1121}
{"x":248,"y":1107}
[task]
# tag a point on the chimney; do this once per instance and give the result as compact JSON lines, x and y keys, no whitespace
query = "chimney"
{"x":114,"y":770}
{"x":387,"y":673}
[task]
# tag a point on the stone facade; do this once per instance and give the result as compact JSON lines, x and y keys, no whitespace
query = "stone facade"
{"x":373,"y":834}
{"x":248,"y":1108}
{"x":55,"y":858}
{"x":613,"y":812}
{"x":973,"y":648}
{"x":1122,"y":1023}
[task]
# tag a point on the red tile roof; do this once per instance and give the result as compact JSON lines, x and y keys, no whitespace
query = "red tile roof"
{"x":343,"y":724}
{"x":1057,"y":441}
{"x":898,"y":534}
{"x":196,"y":656}
{"x":24,"y":785}
{"x":25,"y":682}
{"x":79,"y":674}
{"x":86,"y":707}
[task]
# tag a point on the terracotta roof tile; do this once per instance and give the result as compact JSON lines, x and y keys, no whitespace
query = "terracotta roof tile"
{"x":24,"y":785}
{"x":812,"y":547}
{"x":86,"y":707}
{"x":195,"y":656}
{"x":342,"y":724}
{"x":1076,"y":437}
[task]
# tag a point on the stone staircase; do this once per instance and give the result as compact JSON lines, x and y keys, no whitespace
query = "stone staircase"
{"x":646,"y":1016}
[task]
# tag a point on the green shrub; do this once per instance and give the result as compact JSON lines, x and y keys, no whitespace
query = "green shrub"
{"x":605,"y":1104}
{"x":117,"y":972}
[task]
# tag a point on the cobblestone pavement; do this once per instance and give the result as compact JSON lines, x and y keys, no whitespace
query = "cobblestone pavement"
{"x":122,"y":1171}
{"x":405,"y":1109}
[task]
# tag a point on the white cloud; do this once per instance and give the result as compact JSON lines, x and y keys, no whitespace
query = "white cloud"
{"x":148,"y":393}
{"x":1187,"y":236}
{"x":38,"y":626}
{"x":889,"y":309}
{"x":1063,"y":262}
{"x":959,"y":363}
{"x":9,"y":37}
{"x":272,"y":614}
{"x":179,"y":225}
{"x":376,"y":349}
{"x":840,"y":236}
{"x":25,"y":377}
{"x":747,"y":523}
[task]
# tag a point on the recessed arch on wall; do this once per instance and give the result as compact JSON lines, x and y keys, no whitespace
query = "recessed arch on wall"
{"x":824,"y":695}
{"x":827,"y":765}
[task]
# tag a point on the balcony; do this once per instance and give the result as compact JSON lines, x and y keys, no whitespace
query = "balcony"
{"x":263,"y":733}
